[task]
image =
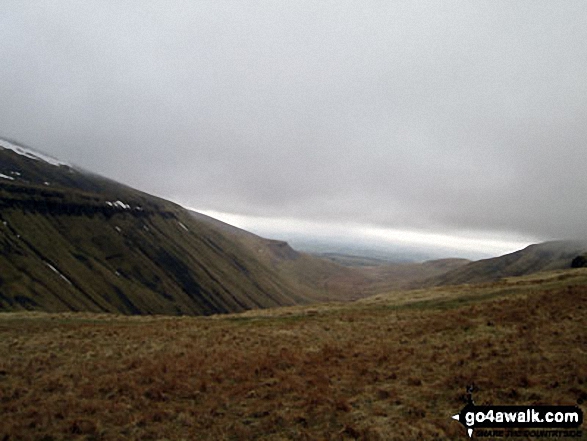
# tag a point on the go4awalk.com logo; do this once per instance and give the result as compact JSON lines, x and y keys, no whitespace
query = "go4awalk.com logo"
{"x":521,"y":418}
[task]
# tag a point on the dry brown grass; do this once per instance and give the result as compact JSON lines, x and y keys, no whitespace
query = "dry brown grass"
{"x":381,"y":369}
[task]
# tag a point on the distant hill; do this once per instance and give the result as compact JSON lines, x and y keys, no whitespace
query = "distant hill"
{"x":381,"y":275}
{"x":396,"y":276}
{"x":352,"y":260}
{"x":74,"y":241}
{"x":534,"y":258}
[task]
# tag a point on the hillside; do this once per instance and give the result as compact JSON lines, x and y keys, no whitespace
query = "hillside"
{"x":321,"y":278}
{"x":534,"y":258}
{"x":351,"y":259}
{"x":73,"y":241}
{"x":335,"y":275}
{"x":395,"y":276}
{"x":392,"y":367}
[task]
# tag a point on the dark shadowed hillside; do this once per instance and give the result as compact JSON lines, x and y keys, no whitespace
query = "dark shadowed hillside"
{"x":72,"y":241}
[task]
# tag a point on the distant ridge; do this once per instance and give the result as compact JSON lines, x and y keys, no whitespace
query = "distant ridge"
{"x":534,"y":258}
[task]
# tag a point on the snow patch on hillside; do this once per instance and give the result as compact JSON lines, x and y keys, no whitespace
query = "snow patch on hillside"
{"x":56,"y":271}
{"x":28,"y":153}
{"x":118,"y":204}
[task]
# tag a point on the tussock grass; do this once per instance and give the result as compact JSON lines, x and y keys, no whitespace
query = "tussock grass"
{"x":390,"y":367}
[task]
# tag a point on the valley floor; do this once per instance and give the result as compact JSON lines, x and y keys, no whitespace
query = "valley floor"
{"x":390,"y":367}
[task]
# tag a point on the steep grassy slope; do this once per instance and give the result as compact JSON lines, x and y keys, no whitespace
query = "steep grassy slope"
{"x":393,"y":367}
{"x":74,"y":241}
{"x":534,"y":258}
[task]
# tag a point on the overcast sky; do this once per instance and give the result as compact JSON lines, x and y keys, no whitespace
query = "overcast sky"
{"x":460,"y":118}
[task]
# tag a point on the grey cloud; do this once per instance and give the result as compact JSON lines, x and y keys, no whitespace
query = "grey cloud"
{"x":442,"y":116}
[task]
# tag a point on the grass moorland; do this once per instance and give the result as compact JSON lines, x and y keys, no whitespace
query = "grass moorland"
{"x":394,"y":366}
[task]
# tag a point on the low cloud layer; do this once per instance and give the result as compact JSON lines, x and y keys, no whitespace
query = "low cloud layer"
{"x":438,"y":116}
